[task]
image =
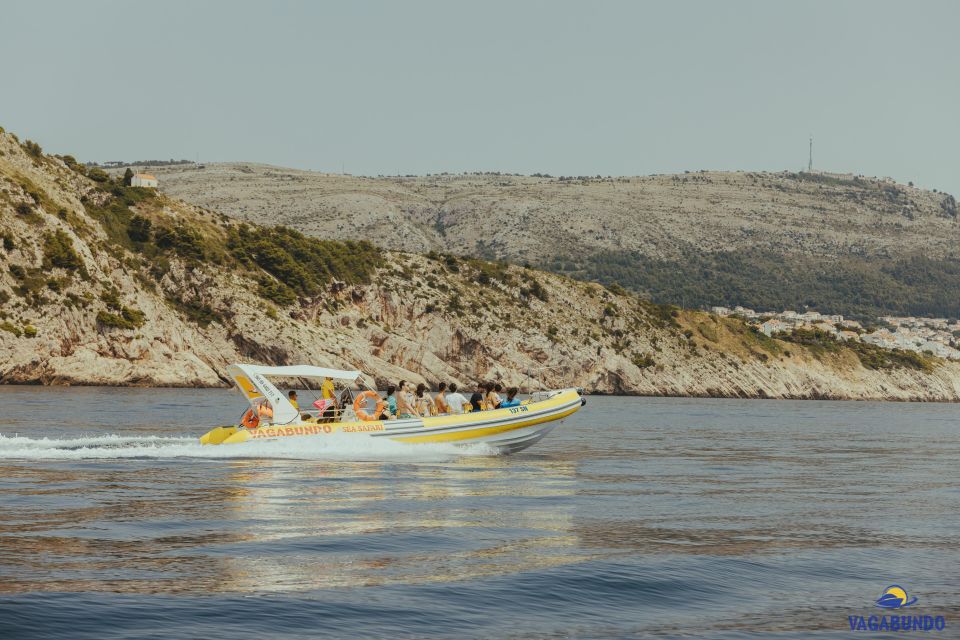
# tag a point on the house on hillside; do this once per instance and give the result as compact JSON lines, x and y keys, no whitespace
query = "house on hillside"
{"x":773,"y":326}
{"x":144,"y":180}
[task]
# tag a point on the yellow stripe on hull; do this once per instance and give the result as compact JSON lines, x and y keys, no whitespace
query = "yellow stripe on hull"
{"x":456,"y":436}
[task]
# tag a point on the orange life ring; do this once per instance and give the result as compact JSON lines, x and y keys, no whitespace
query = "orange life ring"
{"x":361,"y":402}
{"x":250,"y":419}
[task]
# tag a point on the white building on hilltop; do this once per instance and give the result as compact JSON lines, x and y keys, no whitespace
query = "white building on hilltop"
{"x":144,"y":180}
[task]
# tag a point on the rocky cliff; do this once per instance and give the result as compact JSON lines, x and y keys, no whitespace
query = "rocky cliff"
{"x":103,"y":283}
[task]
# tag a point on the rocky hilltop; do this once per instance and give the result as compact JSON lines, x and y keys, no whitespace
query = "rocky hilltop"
{"x":523,"y":218}
{"x":103,"y":283}
{"x":839,"y":243}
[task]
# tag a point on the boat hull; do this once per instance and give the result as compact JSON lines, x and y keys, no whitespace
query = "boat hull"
{"x":504,"y":430}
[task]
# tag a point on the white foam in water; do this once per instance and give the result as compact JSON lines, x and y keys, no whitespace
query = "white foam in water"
{"x":339,"y":447}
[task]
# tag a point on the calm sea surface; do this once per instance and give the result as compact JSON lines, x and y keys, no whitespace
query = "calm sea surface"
{"x":637,"y":517}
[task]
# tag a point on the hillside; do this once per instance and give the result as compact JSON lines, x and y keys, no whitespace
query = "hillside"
{"x":841,"y":244}
{"x":102,"y":283}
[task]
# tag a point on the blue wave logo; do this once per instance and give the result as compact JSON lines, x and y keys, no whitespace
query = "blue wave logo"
{"x":895,"y":597}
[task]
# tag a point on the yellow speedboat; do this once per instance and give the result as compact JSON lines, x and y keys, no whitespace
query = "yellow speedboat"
{"x":505,"y":430}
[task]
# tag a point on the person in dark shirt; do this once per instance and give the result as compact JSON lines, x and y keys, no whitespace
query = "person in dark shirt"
{"x":477,"y":398}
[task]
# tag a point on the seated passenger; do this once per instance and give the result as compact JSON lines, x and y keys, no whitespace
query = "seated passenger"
{"x":293,"y":399}
{"x":454,"y":400}
{"x":476,"y":400}
{"x":346,"y":400}
{"x":405,"y":405}
{"x":493,"y":398}
{"x":439,"y":400}
{"x":423,"y":402}
{"x":391,"y":411}
{"x":265,"y":410}
{"x":511,"y":400}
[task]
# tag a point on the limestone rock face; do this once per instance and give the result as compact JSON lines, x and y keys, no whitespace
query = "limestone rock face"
{"x":100,"y":313}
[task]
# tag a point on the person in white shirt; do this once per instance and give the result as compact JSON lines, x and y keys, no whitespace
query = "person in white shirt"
{"x":455,"y":400}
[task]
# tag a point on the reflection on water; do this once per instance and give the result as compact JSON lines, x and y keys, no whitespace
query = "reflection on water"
{"x":777,"y":501}
{"x":276,"y":525}
{"x":308,"y":525}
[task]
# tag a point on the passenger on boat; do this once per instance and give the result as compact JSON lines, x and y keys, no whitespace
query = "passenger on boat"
{"x":423,"y":402}
{"x":511,"y":400}
{"x":405,"y":406}
{"x":439,"y":400}
{"x":265,"y":410}
{"x":493,"y":398}
{"x":476,"y":400}
{"x":455,"y":401}
{"x":391,"y":401}
{"x":329,"y":392}
{"x":293,"y":399}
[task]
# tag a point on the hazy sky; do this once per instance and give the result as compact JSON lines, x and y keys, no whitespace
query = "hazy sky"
{"x":621,"y":88}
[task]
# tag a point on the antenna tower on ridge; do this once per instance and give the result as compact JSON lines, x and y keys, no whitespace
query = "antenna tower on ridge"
{"x":810,"y":162}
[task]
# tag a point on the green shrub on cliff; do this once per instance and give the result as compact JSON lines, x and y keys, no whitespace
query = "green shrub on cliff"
{"x":643,"y":360}
{"x":127,"y":318}
{"x":32,"y":148}
{"x":183,"y":239}
{"x":302,"y":264}
{"x":9,"y":327}
{"x":58,"y":251}
{"x":874,"y":357}
{"x":275,"y":291}
{"x":871,"y":356}
{"x":140,"y":229}
{"x":98,"y":175}
{"x":200,"y":313}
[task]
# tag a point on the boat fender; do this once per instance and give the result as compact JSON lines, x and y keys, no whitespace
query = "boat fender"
{"x":360,"y":404}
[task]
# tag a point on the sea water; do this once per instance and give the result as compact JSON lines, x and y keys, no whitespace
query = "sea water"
{"x":636,"y":517}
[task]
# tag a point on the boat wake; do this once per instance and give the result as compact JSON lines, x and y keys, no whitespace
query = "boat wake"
{"x":334,"y":447}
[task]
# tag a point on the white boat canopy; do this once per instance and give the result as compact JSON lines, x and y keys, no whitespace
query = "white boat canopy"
{"x":300,"y":371}
{"x":252,"y":380}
